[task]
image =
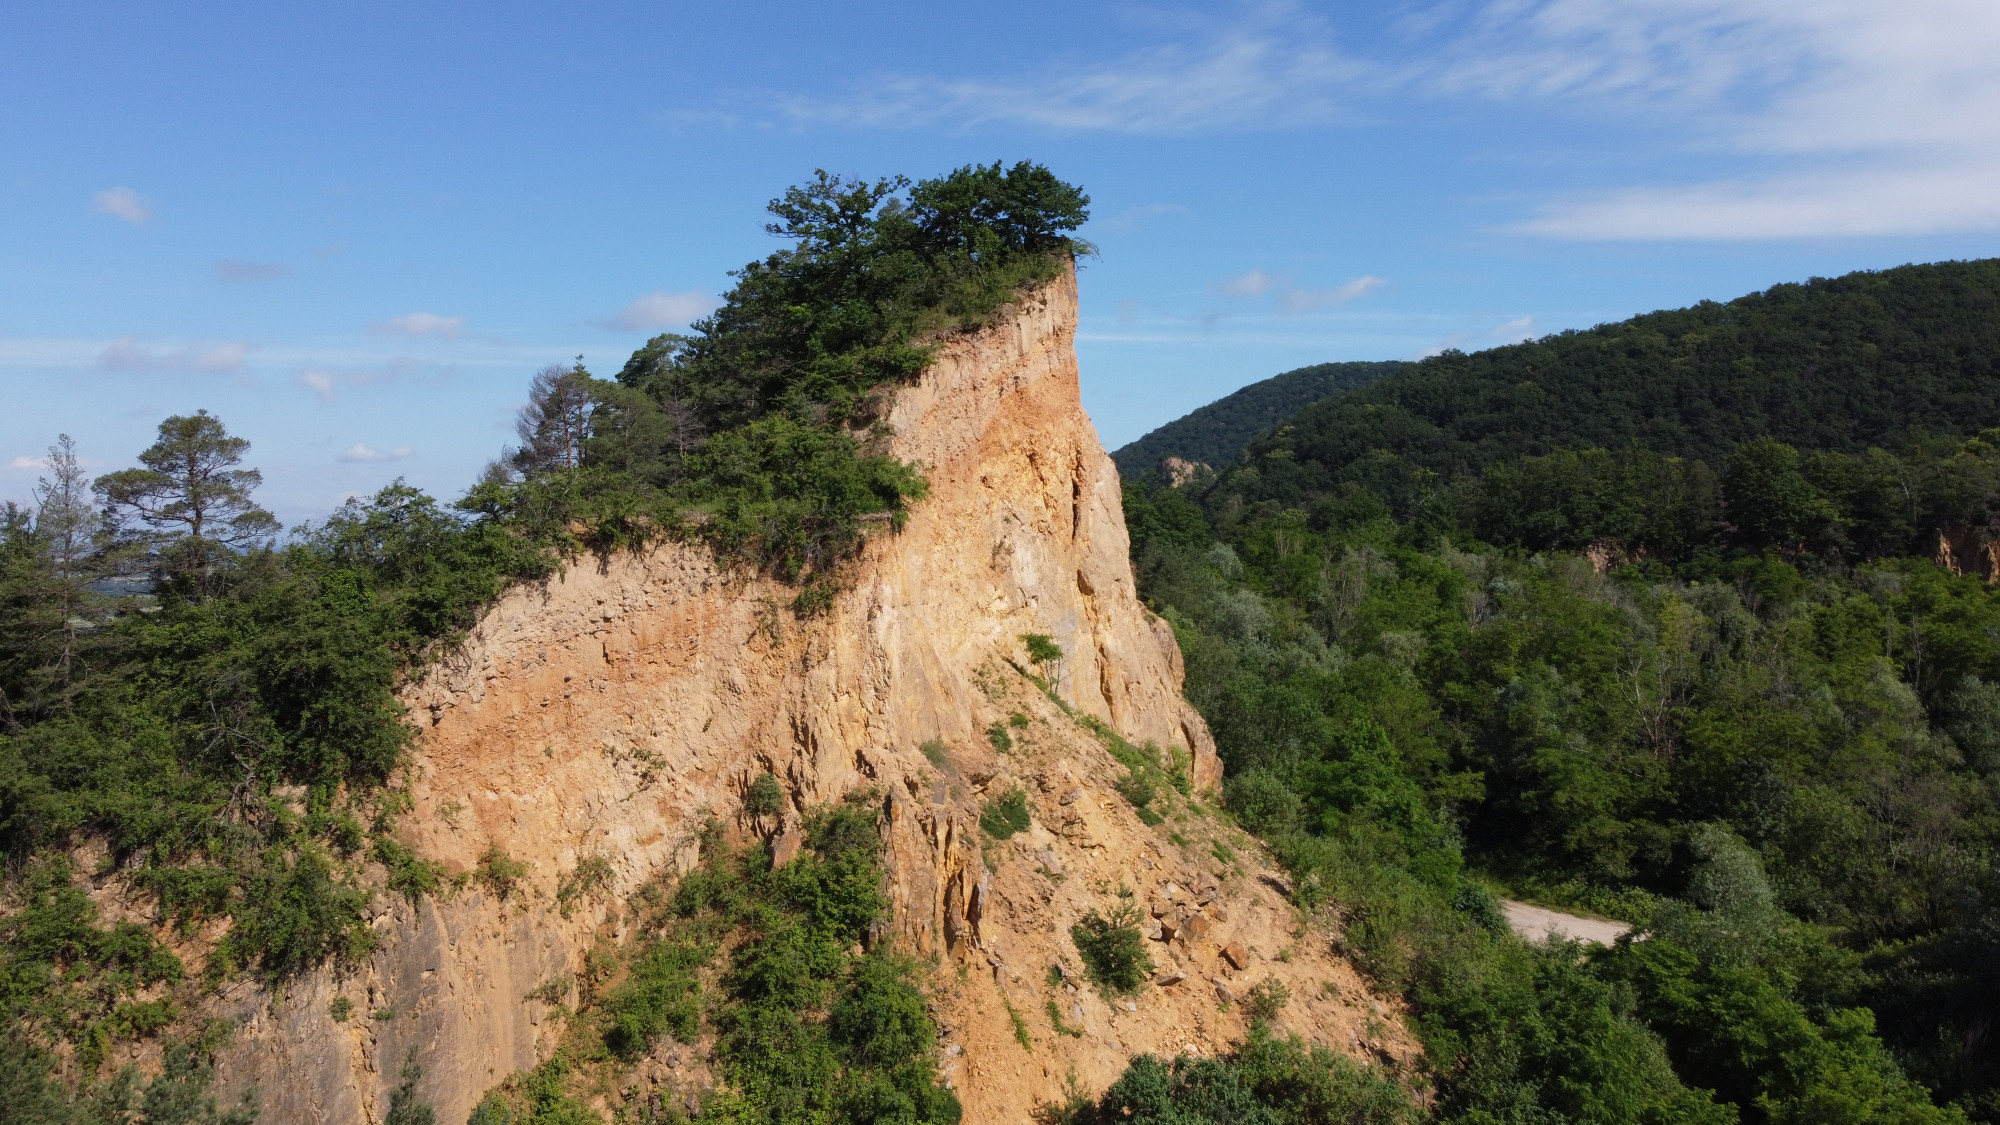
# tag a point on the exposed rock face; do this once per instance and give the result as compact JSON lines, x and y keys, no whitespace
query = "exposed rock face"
{"x":607,"y":713}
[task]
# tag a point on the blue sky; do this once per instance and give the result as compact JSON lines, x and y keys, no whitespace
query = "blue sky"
{"x":354,"y":230}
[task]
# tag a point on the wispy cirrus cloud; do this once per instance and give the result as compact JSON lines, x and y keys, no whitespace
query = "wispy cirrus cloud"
{"x":1263,"y":75}
{"x":662,"y":309}
{"x":127,"y":354}
{"x":1259,"y":283}
{"x":1791,"y":120}
{"x":363,"y":452}
{"x":122,"y":203}
{"x":1252,"y":285}
{"x":327,"y":381}
{"x":1306,"y":300}
{"x":421,"y":324}
{"x":1840,"y":118}
{"x":237,"y":269}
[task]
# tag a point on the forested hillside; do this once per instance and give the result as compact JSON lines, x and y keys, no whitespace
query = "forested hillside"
{"x":1881,"y":359}
{"x":1214,"y":434}
{"x":1680,"y":620}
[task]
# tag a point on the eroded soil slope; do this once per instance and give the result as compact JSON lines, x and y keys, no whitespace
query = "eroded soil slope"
{"x":594,"y":723}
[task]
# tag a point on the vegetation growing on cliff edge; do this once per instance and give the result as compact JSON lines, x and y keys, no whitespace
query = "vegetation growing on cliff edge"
{"x":761,"y":433}
{"x":805,"y":1026}
{"x":217,"y":710}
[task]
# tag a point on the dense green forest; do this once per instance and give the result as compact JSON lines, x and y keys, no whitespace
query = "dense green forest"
{"x":1649,"y":621}
{"x":204,"y":715}
{"x":1215,"y":434}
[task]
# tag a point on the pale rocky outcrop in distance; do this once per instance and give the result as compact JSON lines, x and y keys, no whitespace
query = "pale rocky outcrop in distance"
{"x":608,"y":712}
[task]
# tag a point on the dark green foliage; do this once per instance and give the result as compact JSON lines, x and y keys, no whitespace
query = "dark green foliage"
{"x":808,"y":1028}
{"x":193,"y":503}
{"x":765,"y":797}
{"x":997,"y":736}
{"x":1113,"y":950}
{"x":1755,"y":719}
{"x":758,"y":433}
{"x":1268,"y":1081}
{"x":493,"y":1109}
{"x":1215,"y":434}
{"x":872,"y":1056}
{"x":1881,"y":358}
{"x":294,"y":913}
{"x":1005,"y":815}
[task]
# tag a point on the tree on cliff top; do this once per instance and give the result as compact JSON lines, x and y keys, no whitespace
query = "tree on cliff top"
{"x":758,"y":429}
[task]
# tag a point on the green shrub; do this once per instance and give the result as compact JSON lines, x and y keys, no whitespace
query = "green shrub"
{"x":500,"y":872}
{"x":409,"y":874}
{"x":765,"y":797}
{"x":295,"y":914}
{"x":997,"y":735}
{"x":1267,"y":1081}
{"x":661,"y":994}
{"x":1137,"y":788}
{"x":404,"y":1108}
{"x":1006,"y":814}
{"x":1113,"y":950}
{"x":1266,"y":999}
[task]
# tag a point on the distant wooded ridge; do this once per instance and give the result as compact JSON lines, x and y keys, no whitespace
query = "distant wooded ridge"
{"x":1216,"y":434}
{"x":1873,"y":358}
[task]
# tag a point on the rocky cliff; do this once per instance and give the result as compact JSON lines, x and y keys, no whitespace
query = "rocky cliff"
{"x":590,"y":725}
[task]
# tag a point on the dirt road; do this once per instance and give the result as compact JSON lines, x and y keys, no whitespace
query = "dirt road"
{"x":1536,"y":923}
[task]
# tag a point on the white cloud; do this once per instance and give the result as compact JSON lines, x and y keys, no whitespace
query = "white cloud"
{"x":122,"y":203}
{"x":1254,"y":284}
{"x":1514,"y":331}
{"x":1306,"y":300}
{"x":1279,"y":71}
{"x":25,"y":462}
{"x":1828,"y":118}
{"x":360,"y":451}
{"x":662,"y":310}
{"x":1847,"y":117}
{"x":326,"y":381}
{"x":1135,"y":219}
{"x":422,"y":324}
{"x":126,"y":354}
{"x":321,"y":383}
{"x":236,"y":269}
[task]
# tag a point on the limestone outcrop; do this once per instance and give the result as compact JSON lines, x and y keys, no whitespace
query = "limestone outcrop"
{"x":591,"y":724}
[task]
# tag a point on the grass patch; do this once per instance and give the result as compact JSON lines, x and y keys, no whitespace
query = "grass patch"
{"x":1056,"y":1021}
{"x":1020,"y":1025}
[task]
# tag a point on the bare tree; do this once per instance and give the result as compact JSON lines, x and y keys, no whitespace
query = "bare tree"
{"x":555,"y":423}
{"x":67,"y":522}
